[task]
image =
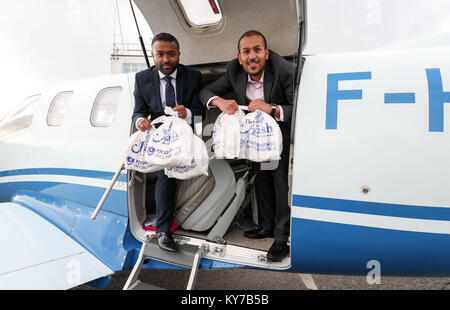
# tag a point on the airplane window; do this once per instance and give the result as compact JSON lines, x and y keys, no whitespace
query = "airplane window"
{"x":58,"y":108}
{"x":25,"y":108}
{"x":201,"y":13}
{"x":105,"y":107}
{"x":20,"y":117}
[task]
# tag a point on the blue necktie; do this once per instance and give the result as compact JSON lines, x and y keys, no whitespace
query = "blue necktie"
{"x":170,"y":92}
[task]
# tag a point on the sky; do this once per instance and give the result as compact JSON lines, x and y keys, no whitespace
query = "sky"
{"x":357,"y":25}
{"x":43,"y":42}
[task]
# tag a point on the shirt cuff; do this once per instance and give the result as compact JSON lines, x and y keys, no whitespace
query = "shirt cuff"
{"x":281,"y":119}
{"x":209,"y":101}
{"x":188,"y":117}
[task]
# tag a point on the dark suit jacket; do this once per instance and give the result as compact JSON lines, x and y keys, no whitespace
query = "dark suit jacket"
{"x":147,"y":95}
{"x":278,"y":84}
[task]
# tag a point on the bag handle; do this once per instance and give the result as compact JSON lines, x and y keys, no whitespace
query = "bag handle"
{"x":243,"y":107}
{"x":161,"y":119}
{"x":168,"y":114}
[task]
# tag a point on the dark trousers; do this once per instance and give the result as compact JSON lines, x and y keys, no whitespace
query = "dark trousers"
{"x":272,"y":190}
{"x":165,"y":201}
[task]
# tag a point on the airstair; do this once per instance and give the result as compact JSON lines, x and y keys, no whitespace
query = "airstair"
{"x":187,"y":256}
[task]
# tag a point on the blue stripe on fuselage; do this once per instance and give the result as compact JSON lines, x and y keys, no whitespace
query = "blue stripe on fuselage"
{"x":84,"y":194}
{"x":375,"y":208}
{"x":105,"y":175}
{"x":332,"y":248}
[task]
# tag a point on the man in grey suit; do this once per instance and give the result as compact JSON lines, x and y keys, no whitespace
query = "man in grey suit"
{"x":263,"y":80}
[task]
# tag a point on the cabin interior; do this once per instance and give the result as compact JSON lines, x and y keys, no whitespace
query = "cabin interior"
{"x":218,"y":207}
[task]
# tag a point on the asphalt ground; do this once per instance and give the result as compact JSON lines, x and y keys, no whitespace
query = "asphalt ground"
{"x":252,"y":279}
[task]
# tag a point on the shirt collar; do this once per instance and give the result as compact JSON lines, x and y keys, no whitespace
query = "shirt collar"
{"x":261,"y":80}
{"x":173,"y":75}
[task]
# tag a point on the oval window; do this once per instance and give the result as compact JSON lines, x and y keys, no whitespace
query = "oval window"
{"x":58,"y":108}
{"x":105,"y":107}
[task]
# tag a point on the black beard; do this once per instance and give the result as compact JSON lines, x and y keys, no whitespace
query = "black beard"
{"x":257,"y":73}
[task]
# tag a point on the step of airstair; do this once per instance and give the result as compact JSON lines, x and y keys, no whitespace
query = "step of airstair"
{"x":183,"y":257}
{"x":142,"y":286}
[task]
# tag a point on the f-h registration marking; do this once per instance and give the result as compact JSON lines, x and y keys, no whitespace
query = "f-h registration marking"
{"x":437,"y":97}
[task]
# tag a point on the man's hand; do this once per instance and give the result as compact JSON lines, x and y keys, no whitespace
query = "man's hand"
{"x":227,"y":106}
{"x":144,"y":124}
{"x":259,"y":104}
{"x":181,"y":110}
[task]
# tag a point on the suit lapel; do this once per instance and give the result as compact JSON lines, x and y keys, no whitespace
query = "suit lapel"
{"x":155,"y":80}
{"x":268,"y":82}
{"x":180,"y":85}
{"x":242,"y":79}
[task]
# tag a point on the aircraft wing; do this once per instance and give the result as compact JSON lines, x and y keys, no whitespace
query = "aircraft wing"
{"x":34,"y":254}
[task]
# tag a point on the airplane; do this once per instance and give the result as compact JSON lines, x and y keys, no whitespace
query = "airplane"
{"x":368,"y":168}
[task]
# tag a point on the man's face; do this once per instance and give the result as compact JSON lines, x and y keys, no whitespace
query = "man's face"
{"x":166,"y":56}
{"x":253,"y":55}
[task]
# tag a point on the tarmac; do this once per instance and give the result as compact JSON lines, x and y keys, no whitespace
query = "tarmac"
{"x":252,"y":279}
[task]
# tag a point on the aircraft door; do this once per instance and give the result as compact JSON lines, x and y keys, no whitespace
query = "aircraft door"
{"x":370,"y":167}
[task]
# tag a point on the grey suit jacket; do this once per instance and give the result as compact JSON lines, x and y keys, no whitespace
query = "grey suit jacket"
{"x":278,"y":84}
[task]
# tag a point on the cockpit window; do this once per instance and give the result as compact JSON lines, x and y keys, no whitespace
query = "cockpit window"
{"x":20,"y":117}
{"x":25,"y":108}
{"x":201,"y":13}
{"x":105,"y":107}
{"x":58,"y":108}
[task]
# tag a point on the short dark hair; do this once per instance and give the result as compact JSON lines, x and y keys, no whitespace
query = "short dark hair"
{"x":167,"y":37}
{"x":250,"y":33}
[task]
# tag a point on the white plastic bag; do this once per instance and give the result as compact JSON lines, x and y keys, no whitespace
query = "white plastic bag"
{"x":261,"y":137}
{"x":170,"y":144}
{"x":226,"y":135}
{"x":135,"y":153}
{"x":198,"y":165}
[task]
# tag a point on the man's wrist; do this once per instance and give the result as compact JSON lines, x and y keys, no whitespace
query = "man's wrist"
{"x":216,"y":102}
{"x":138,"y":121}
{"x":273,"y":109}
{"x":208,"y":104}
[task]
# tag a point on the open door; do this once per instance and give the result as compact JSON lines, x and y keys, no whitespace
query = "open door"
{"x":207,"y":42}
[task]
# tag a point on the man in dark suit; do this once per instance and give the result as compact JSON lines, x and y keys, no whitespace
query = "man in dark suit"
{"x":167,"y":84}
{"x":262,"y":80}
